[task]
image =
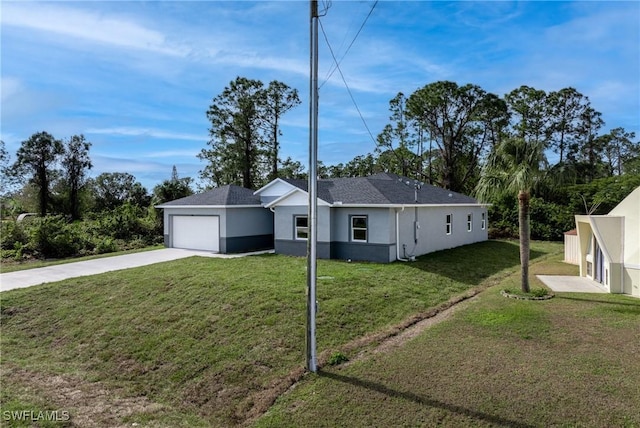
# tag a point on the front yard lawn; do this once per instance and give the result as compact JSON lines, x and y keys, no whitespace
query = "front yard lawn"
{"x":571,"y":361}
{"x":206,"y":342}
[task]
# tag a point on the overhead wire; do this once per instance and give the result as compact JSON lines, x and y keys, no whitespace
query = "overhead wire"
{"x":345,"y":82}
{"x":337,"y":63}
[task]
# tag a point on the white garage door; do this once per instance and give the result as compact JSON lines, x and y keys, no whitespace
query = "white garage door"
{"x":196,"y":232}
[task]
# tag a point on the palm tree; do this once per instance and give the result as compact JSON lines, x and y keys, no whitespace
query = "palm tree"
{"x":515,"y":166}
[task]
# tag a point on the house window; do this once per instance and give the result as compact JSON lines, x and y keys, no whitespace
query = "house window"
{"x":359,"y":228}
{"x":483,"y":221}
{"x":448,"y":223}
{"x":302,"y":227}
{"x":469,"y":222}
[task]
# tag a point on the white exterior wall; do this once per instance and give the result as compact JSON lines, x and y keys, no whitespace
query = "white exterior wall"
{"x":284,"y":227}
{"x":432,"y":235}
{"x":274,"y":190}
{"x":571,"y":249}
{"x":380,"y":224}
{"x":629,"y":208}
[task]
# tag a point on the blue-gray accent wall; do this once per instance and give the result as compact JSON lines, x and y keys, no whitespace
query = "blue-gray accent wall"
{"x":360,"y":251}
{"x":299,"y":248}
{"x":243,"y":244}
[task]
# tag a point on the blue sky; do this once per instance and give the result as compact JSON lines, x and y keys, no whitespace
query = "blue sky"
{"x":136,"y":78}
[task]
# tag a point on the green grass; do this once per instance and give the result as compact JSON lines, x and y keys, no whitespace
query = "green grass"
{"x":7,"y":265}
{"x":571,"y":361}
{"x":207,"y":339}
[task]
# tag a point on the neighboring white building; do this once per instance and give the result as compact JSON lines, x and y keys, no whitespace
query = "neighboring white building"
{"x":609,"y":246}
{"x":571,"y":247}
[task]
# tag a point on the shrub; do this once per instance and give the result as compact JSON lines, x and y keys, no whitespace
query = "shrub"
{"x":106,"y":245}
{"x":12,"y":233}
{"x":51,"y":236}
{"x":337,"y":358}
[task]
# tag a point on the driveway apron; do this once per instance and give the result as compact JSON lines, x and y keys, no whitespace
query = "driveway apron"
{"x":30,"y":277}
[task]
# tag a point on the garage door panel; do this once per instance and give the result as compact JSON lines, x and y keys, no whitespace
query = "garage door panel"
{"x":196,"y":232}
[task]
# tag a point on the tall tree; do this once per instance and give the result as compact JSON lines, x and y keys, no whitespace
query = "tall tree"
{"x":172,"y":189}
{"x":113,"y":189}
{"x":459,"y":120}
{"x":529,"y":111}
{"x":618,"y":149}
{"x":395,"y":141}
{"x":586,"y":151}
{"x":76,"y":163}
{"x":516,"y":166}
{"x":279,"y":98}
{"x":35,"y":157}
{"x":4,"y":169}
{"x":236,"y":118}
{"x":292,"y":169}
{"x":565,"y":108}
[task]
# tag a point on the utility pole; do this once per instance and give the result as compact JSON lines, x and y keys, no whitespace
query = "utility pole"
{"x":312,"y":218}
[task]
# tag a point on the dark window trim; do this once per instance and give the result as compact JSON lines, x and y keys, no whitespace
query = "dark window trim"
{"x":295,"y":226}
{"x":351,"y":228}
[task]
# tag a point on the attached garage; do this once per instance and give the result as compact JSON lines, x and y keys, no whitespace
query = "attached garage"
{"x":196,"y":232}
{"x":228,"y":219}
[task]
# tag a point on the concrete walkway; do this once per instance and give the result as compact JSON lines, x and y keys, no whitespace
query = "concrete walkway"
{"x":571,"y":284}
{"x":30,"y":277}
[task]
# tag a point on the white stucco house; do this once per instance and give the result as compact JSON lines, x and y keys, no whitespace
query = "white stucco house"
{"x":609,"y":246}
{"x":381,"y":218}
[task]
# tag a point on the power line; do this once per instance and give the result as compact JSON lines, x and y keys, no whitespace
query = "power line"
{"x":337,"y":63}
{"x":345,"y":83}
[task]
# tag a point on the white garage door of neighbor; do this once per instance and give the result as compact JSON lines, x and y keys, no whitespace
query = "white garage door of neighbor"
{"x":196,"y":232}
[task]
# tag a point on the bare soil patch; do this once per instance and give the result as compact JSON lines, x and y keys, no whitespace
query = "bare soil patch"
{"x":90,"y":404}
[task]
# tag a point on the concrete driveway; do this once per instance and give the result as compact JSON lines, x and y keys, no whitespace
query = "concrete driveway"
{"x":571,"y":284}
{"x":30,"y":277}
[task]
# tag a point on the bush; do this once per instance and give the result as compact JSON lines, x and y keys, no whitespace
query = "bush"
{"x":106,"y":245}
{"x":12,"y":233}
{"x":126,"y":227}
{"x":548,"y":220}
{"x":52,"y":237}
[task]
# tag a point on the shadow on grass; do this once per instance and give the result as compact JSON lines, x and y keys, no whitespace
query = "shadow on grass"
{"x":471,"y":264}
{"x":377,"y":387}
{"x":608,"y":302}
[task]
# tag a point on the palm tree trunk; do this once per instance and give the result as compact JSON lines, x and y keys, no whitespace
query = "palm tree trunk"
{"x":523,"y":220}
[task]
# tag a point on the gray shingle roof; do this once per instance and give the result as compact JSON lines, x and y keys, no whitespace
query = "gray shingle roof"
{"x":228,"y":195}
{"x":382,"y":189}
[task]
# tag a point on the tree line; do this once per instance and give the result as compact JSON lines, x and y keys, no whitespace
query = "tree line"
{"x":459,"y":137}
{"x":51,"y":176}
{"x":77,"y":214}
{"x":443,"y":134}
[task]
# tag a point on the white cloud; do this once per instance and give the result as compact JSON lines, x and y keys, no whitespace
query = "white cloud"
{"x":10,"y":86}
{"x":173,"y":154}
{"x":148,"y":132}
{"x":84,"y":25}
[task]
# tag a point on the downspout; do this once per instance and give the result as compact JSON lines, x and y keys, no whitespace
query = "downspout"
{"x":398,"y":236}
